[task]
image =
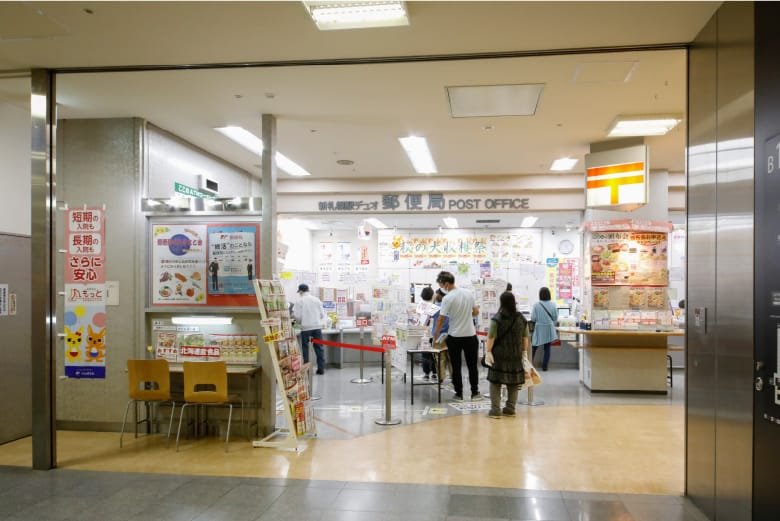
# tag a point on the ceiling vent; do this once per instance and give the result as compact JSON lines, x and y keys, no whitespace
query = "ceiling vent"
{"x":488,"y":221}
{"x":494,"y":100}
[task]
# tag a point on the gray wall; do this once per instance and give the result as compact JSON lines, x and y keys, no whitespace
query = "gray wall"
{"x":15,"y":339}
{"x":720,"y":266}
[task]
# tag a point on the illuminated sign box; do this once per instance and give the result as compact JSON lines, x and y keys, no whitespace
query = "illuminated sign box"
{"x":617,"y":179}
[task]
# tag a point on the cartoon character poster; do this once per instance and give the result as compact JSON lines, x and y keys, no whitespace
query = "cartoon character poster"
{"x":85,"y":294}
{"x":179,"y":264}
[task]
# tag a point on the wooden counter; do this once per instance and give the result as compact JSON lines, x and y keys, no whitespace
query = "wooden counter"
{"x":623,"y":360}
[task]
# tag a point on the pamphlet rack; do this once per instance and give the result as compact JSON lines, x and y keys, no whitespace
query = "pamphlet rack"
{"x":289,"y":369}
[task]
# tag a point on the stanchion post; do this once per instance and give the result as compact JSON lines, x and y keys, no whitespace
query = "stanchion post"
{"x":313,"y":397}
{"x":361,"y":380}
{"x":530,"y":401}
{"x":388,"y":419}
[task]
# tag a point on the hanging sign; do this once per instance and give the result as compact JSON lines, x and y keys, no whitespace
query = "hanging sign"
{"x":85,"y":294}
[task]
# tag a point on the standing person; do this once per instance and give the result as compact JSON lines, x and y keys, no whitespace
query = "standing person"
{"x":214,"y":270}
{"x":544,"y":315}
{"x":445,"y":328}
{"x":309,"y":314}
{"x":428,"y":364}
{"x":507,"y":341}
{"x":459,"y":306}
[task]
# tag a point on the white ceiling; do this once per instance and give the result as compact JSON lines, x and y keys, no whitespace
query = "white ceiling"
{"x":357,"y":112}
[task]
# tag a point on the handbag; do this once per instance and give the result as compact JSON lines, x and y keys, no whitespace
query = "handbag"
{"x":531,"y":325}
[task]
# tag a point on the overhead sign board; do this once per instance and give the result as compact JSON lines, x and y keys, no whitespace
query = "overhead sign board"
{"x":617,"y":179}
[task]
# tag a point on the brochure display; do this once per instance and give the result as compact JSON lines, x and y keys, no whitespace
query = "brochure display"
{"x":292,"y":376}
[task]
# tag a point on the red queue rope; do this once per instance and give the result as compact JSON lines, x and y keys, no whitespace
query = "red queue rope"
{"x":359,"y":347}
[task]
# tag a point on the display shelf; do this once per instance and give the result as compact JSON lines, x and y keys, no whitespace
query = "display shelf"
{"x":291,"y":373}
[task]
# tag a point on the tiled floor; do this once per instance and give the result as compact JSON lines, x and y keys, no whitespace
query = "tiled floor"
{"x":579,"y":457}
{"x":107,"y":496}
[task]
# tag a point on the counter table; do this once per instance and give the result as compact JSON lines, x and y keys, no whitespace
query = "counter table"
{"x":623,"y":360}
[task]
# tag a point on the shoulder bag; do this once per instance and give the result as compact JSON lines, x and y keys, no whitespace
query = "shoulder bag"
{"x":549,"y":315}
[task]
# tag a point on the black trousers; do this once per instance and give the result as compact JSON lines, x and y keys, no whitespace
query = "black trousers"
{"x":469,"y":346}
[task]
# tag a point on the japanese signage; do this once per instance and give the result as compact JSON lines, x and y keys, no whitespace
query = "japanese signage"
{"x":179,"y":264}
{"x":628,"y":259}
{"x":424,"y":202}
{"x":204,"y":264}
{"x":616,"y":178}
{"x":192,"y":192}
{"x":85,"y":294}
{"x":232,"y":260}
{"x":432,"y":250}
{"x":3,"y":300}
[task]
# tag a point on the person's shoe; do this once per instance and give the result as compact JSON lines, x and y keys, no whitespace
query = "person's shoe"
{"x":508,"y":412}
{"x":544,"y":368}
{"x":457,"y":398}
{"x":320,"y":371}
{"x":496,"y":415}
{"x":426,"y":377}
{"x":476,"y":397}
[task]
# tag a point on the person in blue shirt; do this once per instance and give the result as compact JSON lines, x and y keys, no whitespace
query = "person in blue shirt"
{"x":544,"y":315}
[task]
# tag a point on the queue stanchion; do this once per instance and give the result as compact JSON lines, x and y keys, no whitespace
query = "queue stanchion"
{"x":313,"y":397}
{"x":388,"y":419}
{"x":361,"y":379}
{"x":530,"y":401}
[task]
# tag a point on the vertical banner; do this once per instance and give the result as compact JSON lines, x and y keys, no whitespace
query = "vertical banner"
{"x":85,"y":294}
{"x":232,"y":261}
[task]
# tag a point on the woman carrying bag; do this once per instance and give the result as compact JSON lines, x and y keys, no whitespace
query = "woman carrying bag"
{"x":507,"y":341}
{"x":544,"y":316}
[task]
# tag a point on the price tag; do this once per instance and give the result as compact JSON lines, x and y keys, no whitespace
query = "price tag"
{"x":273,"y":337}
{"x":271,"y":322}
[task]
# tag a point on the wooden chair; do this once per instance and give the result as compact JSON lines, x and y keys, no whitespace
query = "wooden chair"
{"x":206,"y":383}
{"x":148,"y":381}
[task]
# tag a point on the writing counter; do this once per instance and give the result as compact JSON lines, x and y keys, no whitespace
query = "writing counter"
{"x":623,"y":360}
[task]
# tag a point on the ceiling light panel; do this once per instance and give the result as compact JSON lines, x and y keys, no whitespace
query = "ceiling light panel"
{"x":376,"y":223}
{"x":450,"y":222}
{"x":255,"y":145}
{"x":563,"y":164}
{"x":419,"y":154}
{"x":625,"y":126}
{"x":494,"y":100}
{"x":329,"y":16}
{"x":528,"y":221}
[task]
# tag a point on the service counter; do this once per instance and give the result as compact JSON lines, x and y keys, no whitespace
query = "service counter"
{"x":623,"y":361}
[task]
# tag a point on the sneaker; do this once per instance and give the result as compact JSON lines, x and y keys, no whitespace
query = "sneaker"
{"x":457,"y":398}
{"x":476,"y":397}
{"x":426,"y":377}
{"x":508,"y":412}
{"x":320,"y":371}
{"x":494,"y":415}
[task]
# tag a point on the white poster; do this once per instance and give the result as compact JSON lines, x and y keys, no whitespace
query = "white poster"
{"x":179,"y":264}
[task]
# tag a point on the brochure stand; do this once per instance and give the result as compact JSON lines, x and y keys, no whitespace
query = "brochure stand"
{"x":288,"y":366}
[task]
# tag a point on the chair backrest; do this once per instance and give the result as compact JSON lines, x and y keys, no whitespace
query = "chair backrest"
{"x":212,"y":375}
{"x":142,"y":372}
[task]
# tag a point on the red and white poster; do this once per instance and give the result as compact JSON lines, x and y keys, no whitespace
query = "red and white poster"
{"x":85,"y":293}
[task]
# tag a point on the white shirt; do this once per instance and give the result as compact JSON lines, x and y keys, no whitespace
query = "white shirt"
{"x":458,"y":305}
{"x":308,"y":312}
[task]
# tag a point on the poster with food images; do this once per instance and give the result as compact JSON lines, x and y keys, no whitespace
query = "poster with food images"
{"x":629,"y":259}
{"x":179,"y":264}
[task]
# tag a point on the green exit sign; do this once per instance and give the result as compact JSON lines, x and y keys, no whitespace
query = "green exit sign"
{"x":190,"y":191}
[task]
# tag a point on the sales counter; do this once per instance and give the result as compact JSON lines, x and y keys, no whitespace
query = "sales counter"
{"x":623,"y":360}
{"x":337,"y":357}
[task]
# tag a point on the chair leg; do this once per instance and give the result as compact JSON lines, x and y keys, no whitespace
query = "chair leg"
{"x":227,"y":433}
{"x":124,"y":420}
{"x":178,"y":431}
{"x":170,"y":423}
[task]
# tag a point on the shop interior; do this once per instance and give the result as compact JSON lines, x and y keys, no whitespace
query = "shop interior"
{"x":142,"y":147}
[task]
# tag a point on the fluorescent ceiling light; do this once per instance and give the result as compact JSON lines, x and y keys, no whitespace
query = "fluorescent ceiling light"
{"x":563,"y":164}
{"x":450,"y":222}
{"x":202,"y":321}
{"x":494,"y":100}
{"x":244,"y":138}
{"x":255,"y":145}
{"x":376,"y":223}
{"x":330,"y":16}
{"x":419,"y":154}
{"x":528,"y":221}
{"x":642,"y":125}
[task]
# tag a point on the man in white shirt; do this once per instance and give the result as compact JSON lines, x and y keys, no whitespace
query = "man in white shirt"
{"x":460,"y":307}
{"x":310,"y":316}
